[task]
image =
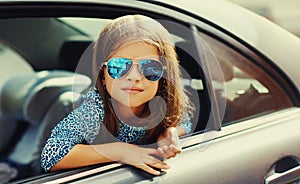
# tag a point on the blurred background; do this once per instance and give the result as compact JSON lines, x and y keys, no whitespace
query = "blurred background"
{"x":285,"y":13}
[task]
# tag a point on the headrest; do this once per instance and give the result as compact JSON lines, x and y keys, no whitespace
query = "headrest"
{"x":29,"y":96}
{"x":72,"y":50}
{"x":187,"y":59}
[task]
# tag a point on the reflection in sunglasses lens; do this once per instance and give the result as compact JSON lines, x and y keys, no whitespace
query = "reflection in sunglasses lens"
{"x":119,"y":67}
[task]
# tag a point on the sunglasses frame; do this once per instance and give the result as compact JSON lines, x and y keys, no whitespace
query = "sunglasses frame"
{"x":132,"y":64}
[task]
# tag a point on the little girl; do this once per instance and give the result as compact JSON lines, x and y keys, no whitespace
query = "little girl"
{"x":137,"y":101}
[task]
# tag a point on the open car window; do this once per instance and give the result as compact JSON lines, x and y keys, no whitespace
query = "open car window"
{"x":57,"y":69}
{"x":246,"y":89}
{"x":11,"y":63}
{"x":88,"y":26}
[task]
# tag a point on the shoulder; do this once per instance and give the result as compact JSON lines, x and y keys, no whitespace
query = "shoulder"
{"x":91,"y":96}
{"x":91,"y":104}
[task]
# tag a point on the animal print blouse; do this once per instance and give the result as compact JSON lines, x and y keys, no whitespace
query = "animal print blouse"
{"x":83,"y":125}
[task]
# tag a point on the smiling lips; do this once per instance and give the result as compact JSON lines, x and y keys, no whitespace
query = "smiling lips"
{"x":133,"y":90}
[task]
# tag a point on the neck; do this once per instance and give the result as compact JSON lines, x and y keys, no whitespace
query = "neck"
{"x":131,"y":115}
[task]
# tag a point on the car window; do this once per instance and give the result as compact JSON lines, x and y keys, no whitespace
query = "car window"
{"x":88,"y":26}
{"x":92,"y":26}
{"x":43,"y":75}
{"x":246,"y":88}
{"x":11,"y":64}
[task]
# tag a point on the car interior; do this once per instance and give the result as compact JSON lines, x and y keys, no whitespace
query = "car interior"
{"x":61,"y":69}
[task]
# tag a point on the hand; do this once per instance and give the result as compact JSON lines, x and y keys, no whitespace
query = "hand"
{"x":168,"y":143}
{"x":141,"y":158}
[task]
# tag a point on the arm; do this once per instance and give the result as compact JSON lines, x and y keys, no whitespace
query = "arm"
{"x":80,"y":126}
{"x":65,"y":149}
{"x":83,"y":155}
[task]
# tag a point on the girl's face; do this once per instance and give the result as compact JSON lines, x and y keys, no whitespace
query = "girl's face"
{"x":133,"y":90}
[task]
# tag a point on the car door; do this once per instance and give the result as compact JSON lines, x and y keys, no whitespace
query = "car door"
{"x":256,"y":140}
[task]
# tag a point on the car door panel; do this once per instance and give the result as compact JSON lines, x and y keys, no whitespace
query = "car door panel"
{"x":232,"y":155}
{"x":241,"y":157}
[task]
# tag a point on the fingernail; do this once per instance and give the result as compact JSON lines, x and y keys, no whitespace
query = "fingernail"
{"x":167,"y":166}
{"x":157,"y":173}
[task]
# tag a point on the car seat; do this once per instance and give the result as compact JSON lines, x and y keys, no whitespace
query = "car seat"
{"x":76,"y":54}
{"x":36,"y":103}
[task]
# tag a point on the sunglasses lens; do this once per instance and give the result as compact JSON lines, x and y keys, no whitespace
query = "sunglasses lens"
{"x":118,"y":67}
{"x":151,"y":69}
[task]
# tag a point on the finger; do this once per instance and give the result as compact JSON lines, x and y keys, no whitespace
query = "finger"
{"x":163,"y":142}
{"x":162,"y":152}
{"x":175,"y":149}
{"x":154,"y":152}
{"x":154,"y":162}
{"x":168,"y":153}
{"x":148,"y":169}
{"x":175,"y":140}
{"x":174,"y":153}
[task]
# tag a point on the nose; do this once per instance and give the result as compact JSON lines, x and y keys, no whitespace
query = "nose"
{"x":134,"y":74}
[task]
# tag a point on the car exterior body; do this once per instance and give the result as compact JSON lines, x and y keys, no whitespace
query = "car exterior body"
{"x":241,"y":71}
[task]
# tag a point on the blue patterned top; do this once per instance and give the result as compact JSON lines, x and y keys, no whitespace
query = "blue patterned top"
{"x":82,"y":126}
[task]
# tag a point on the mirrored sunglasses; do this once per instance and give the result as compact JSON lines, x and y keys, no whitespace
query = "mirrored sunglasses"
{"x":119,"y":67}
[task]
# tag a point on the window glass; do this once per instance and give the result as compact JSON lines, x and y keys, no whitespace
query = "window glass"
{"x":89,"y":26}
{"x":92,"y":26}
{"x":247,"y":89}
{"x":11,"y":63}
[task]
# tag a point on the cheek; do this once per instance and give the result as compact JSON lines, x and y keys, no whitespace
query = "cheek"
{"x":152,"y":88}
{"x":108,"y":82}
{"x":112,"y":89}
